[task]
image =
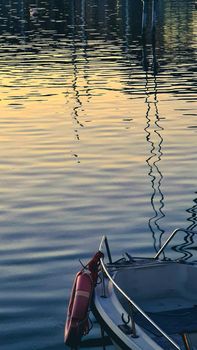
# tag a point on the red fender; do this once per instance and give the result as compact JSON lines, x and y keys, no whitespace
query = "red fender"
{"x":77,"y":323}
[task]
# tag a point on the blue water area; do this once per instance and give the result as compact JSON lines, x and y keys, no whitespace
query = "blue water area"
{"x":98,"y":133}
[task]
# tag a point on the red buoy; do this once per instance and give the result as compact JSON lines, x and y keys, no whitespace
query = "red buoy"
{"x":77,"y":323}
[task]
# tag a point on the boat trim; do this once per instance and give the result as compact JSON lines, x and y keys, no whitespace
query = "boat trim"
{"x":131,"y":302}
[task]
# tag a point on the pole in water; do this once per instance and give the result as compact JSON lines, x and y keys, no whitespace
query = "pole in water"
{"x":154,"y":15}
{"x":144,"y":15}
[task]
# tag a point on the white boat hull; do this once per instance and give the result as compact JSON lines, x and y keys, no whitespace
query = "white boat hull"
{"x":156,"y":287}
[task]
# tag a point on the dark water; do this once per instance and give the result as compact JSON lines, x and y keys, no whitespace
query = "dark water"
{"x":98,"y":133}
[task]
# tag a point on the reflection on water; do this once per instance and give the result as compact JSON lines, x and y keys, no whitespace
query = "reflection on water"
{"x":154,"y":138}
{"x":182,"y":247}
{"x":98,"y":136}
{"x":187,"y":249}
{"x":193,"y":216}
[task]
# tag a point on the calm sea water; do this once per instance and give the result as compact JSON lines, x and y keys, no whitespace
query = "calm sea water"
{"x":98,"y":135}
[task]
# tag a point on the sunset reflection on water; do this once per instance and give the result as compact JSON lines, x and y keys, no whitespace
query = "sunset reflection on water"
{"x":98,"y":136}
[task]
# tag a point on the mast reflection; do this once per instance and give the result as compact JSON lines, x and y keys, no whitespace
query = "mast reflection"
{"x":78,"y":102}
{"x":154,"y":138}
{"x":80,"y":66}
{"x":85,"y":49}
{"x":188,"y":247}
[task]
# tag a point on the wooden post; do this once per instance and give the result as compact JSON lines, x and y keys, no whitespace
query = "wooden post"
{"x":144,"y":15}
{"x":154,"y":15}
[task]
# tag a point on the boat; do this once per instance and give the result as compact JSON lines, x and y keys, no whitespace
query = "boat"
{"x":149,"y":303}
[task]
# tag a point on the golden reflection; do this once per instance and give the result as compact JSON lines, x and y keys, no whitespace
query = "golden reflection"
{"x":90,"y":82}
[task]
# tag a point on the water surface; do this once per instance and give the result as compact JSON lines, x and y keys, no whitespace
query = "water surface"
{"x":98,"y":133}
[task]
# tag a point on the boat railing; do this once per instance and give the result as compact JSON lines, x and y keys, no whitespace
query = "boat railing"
{"x":161,"y":250}
{"x":132,"y":305}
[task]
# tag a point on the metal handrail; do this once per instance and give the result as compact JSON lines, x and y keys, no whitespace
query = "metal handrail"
{"x":131,"y":302}
{"x":170,"y":238}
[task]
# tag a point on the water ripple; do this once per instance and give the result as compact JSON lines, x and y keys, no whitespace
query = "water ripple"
{"x":98,"y":136}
